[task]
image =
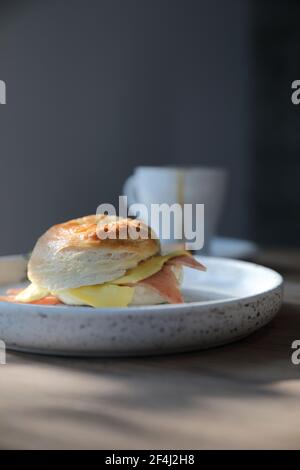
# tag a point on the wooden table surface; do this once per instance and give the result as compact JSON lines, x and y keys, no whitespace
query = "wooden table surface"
{"x":245,"y":395}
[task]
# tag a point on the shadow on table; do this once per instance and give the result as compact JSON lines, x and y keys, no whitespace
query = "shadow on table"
{"x":246,"y":368}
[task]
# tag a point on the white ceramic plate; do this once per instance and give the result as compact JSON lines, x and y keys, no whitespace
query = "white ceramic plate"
{"x":231,"y":300}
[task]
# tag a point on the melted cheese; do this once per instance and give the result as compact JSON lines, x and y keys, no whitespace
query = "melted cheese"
{"x":31,"y":294}
{"x":147,"y":268}
{"x":104,"y":295}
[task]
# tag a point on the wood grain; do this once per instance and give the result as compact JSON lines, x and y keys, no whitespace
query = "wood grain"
{"x":245,"y":395}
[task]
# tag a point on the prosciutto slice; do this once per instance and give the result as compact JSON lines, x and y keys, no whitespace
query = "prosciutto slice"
{"x":188,"y":261}
{"x":166,"y":284}
{"x":48,"y":300}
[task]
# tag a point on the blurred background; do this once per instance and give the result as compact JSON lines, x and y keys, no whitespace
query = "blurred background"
{"x":97,"y":87}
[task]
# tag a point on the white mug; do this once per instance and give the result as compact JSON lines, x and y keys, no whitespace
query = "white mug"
{"x":192,"y":185}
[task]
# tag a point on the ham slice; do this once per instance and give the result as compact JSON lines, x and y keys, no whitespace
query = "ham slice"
{"x":188,"y":261}
{"x":15,"y":291}
{"x":49,"y":300}
{"x":166,"y":284}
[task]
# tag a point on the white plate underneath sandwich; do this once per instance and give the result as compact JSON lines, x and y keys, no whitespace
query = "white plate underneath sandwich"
{"x":233,"y":299}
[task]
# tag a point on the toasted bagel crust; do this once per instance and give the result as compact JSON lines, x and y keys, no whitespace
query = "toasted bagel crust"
{"x":89,"y":251}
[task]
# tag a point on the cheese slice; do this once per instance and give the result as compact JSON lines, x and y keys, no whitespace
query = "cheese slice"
{"x":104,"y":295}
{"x":31,"y":294}
{"x":147,"y":268}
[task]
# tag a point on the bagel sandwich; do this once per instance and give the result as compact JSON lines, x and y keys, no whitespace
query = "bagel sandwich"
{"x":103,"y":261}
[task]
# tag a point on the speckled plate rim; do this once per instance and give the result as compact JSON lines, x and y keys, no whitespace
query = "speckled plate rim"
{"x":67,"y":310}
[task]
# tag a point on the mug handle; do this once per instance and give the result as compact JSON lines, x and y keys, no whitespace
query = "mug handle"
{"x":129,"y":190}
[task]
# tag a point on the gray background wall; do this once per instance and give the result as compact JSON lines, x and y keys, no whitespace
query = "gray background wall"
{"x":95,"y":88}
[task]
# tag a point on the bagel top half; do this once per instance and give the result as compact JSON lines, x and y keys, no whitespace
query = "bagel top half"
{"x":84,"y":252}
